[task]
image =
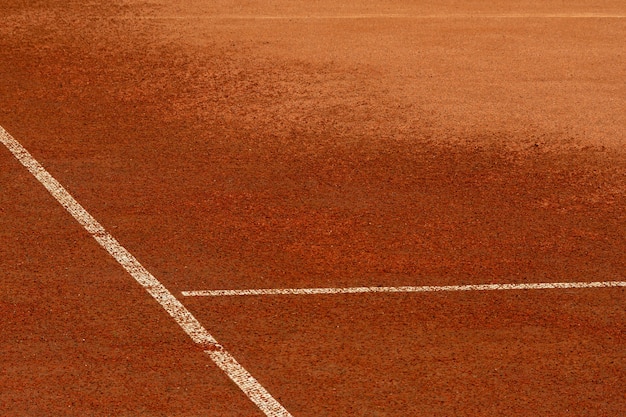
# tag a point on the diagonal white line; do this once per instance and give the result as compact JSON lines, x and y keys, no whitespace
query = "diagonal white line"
{"x":246,"y":382}
{"x":430,"y":288}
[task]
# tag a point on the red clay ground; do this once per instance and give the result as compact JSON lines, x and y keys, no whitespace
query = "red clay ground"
{"x":477,"y":143}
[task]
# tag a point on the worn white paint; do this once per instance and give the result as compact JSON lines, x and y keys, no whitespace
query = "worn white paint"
{"x":364,"y":16}
{"x":428,"y":288}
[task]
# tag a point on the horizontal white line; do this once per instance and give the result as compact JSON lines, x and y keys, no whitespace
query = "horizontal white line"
{"x":429,"y":288}
{"x":382,"y":16}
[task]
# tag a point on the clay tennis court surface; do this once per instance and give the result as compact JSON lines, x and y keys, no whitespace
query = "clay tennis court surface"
{"x":296,"y":145}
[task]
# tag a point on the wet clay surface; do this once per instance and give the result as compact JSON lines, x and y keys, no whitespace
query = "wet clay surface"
{"x":430,"y":148}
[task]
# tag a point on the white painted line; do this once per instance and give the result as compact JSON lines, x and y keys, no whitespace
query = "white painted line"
{"x":175,"y":308}
{"x":430,"y":288}
{"x":381,"y":16}
{"x":247,"y":383}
